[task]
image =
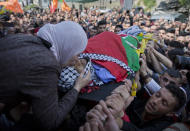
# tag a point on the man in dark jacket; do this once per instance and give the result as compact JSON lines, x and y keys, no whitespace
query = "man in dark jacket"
{"x":156,"y":113}
{"x":153,"y":114}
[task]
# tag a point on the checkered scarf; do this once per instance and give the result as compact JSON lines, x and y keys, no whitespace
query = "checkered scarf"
{"x":69,"y":75}
{"x":94,"y":56}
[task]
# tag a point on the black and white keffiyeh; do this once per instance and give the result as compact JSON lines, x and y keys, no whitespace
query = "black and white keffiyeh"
{"x":67,"y":78}
{"x":107,"y":58}
{"x":69,"y":75}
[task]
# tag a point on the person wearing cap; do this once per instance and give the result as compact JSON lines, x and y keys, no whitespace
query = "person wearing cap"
{"x":30,"y":67}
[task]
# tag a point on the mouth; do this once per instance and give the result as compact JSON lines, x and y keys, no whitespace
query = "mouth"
{"x":150,"y":107}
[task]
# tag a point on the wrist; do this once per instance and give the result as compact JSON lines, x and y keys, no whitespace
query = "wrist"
{"x":143,"y":74}
{"x":77,"y":88}
{"x":121,"y":114}
{"x":119,"y":122}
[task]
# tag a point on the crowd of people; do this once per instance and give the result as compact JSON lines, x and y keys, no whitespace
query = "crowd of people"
{"x":36,"y":45}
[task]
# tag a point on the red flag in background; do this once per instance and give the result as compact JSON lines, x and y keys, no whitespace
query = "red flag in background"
{"x":65,"y":7}
{"x":13,"y":6}
{"x":122,"y":3}
{"x":53,"y":6}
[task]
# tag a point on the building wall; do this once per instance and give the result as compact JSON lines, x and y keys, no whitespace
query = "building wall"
{"x":104,"y":4}
{"x":45,"y":3}
{"x":100,"y":4}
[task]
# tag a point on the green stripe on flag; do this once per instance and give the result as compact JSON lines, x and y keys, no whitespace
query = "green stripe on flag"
{"x":130,"y":45}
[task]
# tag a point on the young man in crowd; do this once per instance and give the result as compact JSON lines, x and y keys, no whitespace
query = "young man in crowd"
{"x":153,"y":114}
{"x":101,"y":26}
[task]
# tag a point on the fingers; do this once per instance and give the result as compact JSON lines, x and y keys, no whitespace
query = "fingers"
{"x":99,"y":109}
{"x":95,"y":114}
{"x":87,"y":127}
{"x":122,"y":90}
{"x":114,"y":95}
{"x":82,"y":73}
{"x":96,"y":125}
{"x":93,"y":125}
{"x":128,"y":84}
{"x":129,"y":100}
{"x":81,"y":128}
{"x":88,"y":75}
{"x":91,"y":115}
{"x":106,"y":111}
{"x":104,"y":107}
{"x":115,"y":106}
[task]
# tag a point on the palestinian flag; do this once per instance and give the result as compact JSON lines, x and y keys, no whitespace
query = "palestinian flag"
{"x":130,"y":44}
{"x":115,"y":53}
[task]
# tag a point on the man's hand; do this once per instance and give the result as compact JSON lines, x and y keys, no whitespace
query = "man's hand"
{"x":128,"y":102}
{"x":110,"y":124}
{"x":96,"y":113}
{"x":95,"y":124}
{"x":82,"y":81}
{"x":143,"y":69}
{"x":91,"y":126}
{"x":123,"y":91}
{"x":115,"y":103}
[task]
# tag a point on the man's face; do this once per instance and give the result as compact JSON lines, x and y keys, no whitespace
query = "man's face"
{"x":161,"y":103}
{"x":93,"y":32}
{"x":183,"y":26}
{"x":117,"y":30}
{"x":152,"y":29}
{"x":125,"y":26}
{"x":166,"y":79}
{"x":176,"y":31}
{"x":146,"y":29}
{"x":183,"y":73}
{"x":147,"y":23}
{"x":180,"y":39}
{"x":162,"y":33}
{"x":187,"y":38}
{"x":101,"y":28}
{"x":170,"y":36}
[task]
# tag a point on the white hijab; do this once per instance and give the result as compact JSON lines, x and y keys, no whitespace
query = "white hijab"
{"x":67,"y":38}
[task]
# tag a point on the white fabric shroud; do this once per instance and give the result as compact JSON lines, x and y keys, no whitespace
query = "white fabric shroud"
{"x":67,"y":38}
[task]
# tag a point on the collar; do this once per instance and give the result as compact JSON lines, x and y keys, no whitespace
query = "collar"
{"x":46,"y":43}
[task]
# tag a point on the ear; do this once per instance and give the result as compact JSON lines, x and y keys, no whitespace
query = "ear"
{"x":170,"y":114}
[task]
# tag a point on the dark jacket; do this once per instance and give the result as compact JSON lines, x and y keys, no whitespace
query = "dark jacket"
{"x":135,"y":110}
{"x":29,"y":72}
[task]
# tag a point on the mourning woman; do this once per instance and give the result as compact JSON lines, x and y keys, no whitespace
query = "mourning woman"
{"x":30,"y":67}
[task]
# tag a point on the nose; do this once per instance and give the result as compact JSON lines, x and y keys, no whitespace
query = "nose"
{"x":156,"y":101}
{"x":166,"y":83}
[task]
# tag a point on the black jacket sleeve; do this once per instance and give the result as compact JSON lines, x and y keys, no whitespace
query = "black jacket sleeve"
{"x":154,"y":126}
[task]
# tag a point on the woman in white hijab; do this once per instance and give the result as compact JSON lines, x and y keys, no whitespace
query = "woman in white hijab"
{"x":31,"y":71}
{"x":67,"y":38}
